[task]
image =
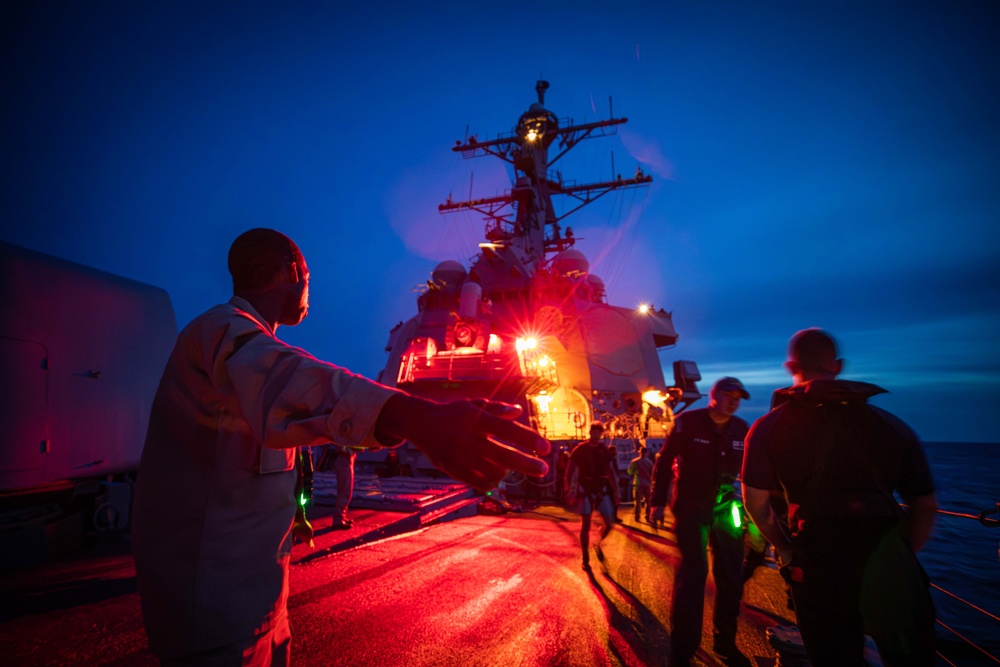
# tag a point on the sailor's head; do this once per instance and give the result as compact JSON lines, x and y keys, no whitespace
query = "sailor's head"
{"x":596,"y":431}
{"x":812,"y":354}
{"x":724,"y":397}
{"x":266,"y":262}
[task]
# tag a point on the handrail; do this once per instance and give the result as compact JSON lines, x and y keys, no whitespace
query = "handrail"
{"x":958,"y":514}
{"x":989,"y":523}
{"x":992,"y":523}
{"x":966,"y":602}
{"x":967,"y":641}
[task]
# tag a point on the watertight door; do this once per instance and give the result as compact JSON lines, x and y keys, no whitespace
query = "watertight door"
{"x":23,"y":411}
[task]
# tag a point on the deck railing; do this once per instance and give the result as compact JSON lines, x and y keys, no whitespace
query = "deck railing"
{"x":985,"y":519}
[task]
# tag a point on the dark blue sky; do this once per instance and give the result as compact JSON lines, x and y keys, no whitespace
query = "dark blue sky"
{"x":815,"y":166}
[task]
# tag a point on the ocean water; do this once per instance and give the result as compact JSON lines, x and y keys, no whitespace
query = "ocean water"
{"x":963,"y":556}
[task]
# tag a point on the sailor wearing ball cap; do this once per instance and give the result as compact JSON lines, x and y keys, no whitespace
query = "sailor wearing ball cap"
{"x":708,"y":447}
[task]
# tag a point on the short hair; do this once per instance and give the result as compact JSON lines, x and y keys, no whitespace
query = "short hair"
{"x":258,"y":255}
{"x":595,"y":426}
{"x":814,"y":350}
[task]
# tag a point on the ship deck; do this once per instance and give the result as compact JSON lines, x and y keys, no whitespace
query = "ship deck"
{"x":422,"y":578}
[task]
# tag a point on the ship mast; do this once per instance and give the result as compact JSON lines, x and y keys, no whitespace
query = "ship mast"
{"x":521,"y":224}
{"x":529,"y":323}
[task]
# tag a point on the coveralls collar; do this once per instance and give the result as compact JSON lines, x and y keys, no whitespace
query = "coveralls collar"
{"x":245,"y":306}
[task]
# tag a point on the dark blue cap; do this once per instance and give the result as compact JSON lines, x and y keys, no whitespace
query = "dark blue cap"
{"x":730,"y":384}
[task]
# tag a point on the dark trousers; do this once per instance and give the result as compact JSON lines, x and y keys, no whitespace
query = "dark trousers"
{"x":272,"y":648}
{"x":859,"y":577}
{"x":689,"y":584}
{"x":603,"y":504}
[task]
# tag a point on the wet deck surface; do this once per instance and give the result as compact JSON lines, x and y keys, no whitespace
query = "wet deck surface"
{"x":481,"y":590}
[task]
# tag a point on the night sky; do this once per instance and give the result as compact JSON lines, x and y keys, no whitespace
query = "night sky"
{"x":832,"y":166}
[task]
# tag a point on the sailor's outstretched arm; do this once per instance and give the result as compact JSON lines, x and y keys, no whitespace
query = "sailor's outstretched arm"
{"x":476,"y":442}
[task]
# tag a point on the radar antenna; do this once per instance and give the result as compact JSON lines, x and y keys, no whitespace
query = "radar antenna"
{"x":523,"y":219}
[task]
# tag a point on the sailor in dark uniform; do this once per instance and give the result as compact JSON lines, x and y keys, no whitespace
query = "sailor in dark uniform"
{"x":708,"y":447}
{"x":846,"y":546}
{"x":591,"y":483}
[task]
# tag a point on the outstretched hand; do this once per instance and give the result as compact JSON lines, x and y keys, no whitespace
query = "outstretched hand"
{"x":475,"y":442}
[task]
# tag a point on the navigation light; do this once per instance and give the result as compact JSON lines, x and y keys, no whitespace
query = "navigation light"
{"x":526,"y":344}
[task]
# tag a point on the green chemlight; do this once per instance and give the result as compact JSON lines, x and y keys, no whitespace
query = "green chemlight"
{"x":737,"y":519}
{"x":303,"y":500}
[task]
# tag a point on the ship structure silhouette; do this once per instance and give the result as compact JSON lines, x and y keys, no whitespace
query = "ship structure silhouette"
{"x":528,"y":322}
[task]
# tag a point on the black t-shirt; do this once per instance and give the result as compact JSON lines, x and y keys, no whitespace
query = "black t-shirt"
{"x":835,"y":456}
{"x":593,"y":463}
